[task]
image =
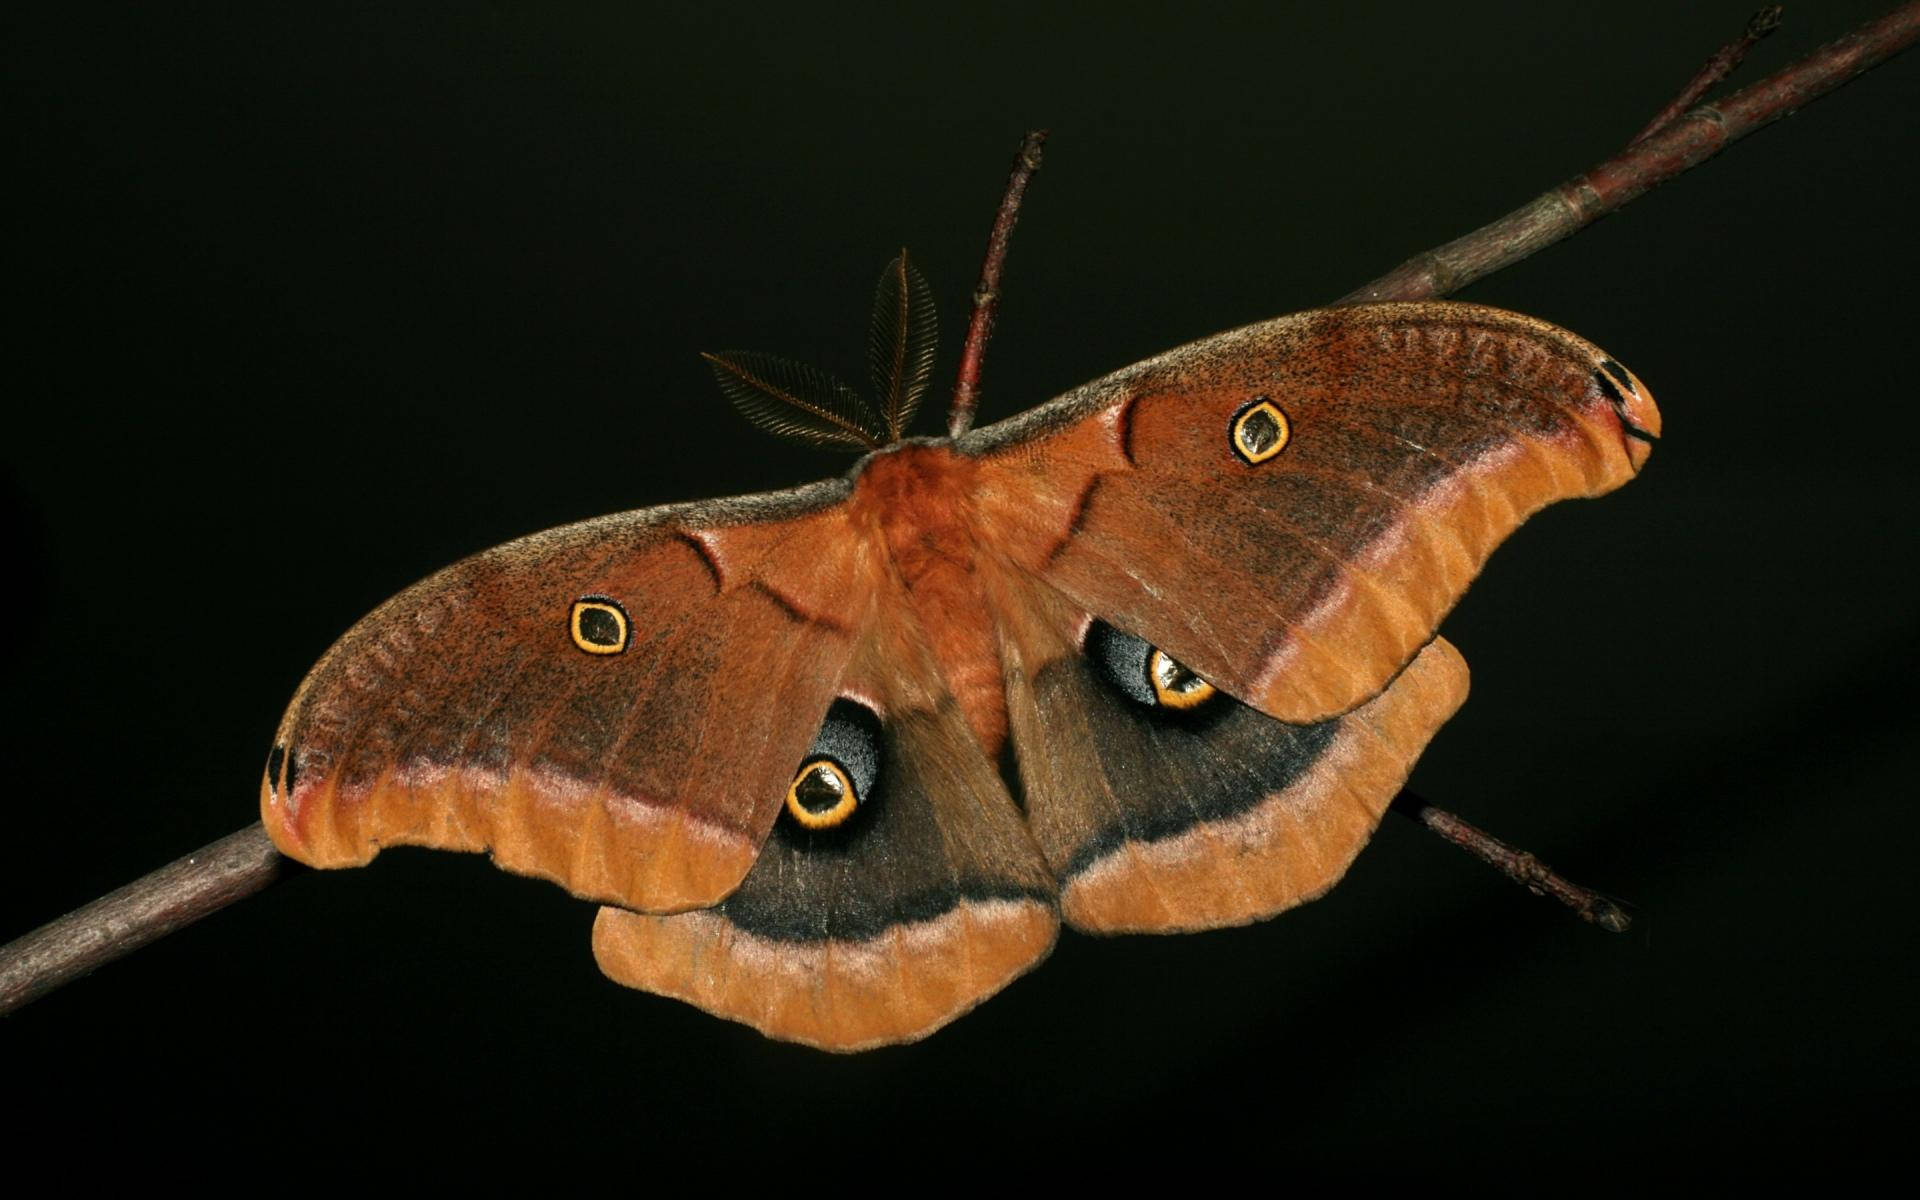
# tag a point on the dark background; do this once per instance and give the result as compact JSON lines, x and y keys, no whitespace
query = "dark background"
{"x":308,"y":305}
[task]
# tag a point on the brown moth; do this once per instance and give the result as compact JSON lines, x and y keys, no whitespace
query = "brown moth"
{"x":839,"y":760}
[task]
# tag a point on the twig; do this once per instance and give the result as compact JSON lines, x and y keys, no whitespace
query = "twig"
{"x":1684,"y":143}
{"x":149,"y":908}
{"x":244,"y":863}
{"x":1722,"y":64}
{"x":1517,"y":865}
{"x":986,"y":296}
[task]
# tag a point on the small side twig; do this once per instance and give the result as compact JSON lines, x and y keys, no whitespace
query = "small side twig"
{"x":986,"y":296}
{"x":1723,"y":63}
{"x":1681,"y":144}
{"x":149,"y":908}
{"x":1517,"y":865}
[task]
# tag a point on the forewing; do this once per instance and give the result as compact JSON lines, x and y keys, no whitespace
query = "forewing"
{"x":615,"y":705}
{"x":1412,"y":439}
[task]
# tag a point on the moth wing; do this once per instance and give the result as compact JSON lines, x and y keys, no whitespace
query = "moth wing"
{"x":615,"y":705}
{"x":929,"y":899}
{"x":1291,"y":508}
{"x":1161,"y":818}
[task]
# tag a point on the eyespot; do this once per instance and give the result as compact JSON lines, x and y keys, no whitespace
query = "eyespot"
{"x":821,"y":795}
{"x":1174,"y":685}
{"x":1259,"y":431}
{"x":839,"y":773}
{"x":1146,"y":674}
{"x":599,"y":625}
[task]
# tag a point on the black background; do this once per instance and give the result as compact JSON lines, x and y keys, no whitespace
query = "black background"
{"x":308,"y":305}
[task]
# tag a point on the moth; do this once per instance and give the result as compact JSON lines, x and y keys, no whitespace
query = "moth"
{"x":839,"y":761}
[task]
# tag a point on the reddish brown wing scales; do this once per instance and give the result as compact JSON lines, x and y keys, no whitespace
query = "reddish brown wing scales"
{"x":464,"y":714}
{"x":938,"y":902}
{"x":1418,"y":437}
{"x":1277,"y":812}
{"x":1193,"y":825}
{"x":1162,"y":820}
{"x":929,"y":899}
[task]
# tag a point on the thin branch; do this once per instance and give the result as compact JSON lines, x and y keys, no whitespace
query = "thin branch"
{"x":149,"y":908}
{"x":1517,"y":865}
{"x":1722,"y":64}
{"x":240,"y":865}
{"x":1682,"y":144}
{"x":986,"y":296}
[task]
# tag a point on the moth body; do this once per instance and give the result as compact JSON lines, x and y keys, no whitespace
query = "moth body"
{"x":916,"y":498}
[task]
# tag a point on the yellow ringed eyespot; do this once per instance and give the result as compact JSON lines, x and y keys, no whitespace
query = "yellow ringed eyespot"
{"x":1260,"y":431}
{"x":1174,"y":685}
{"x":599,"y":625}
{"x":821,"y":795}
